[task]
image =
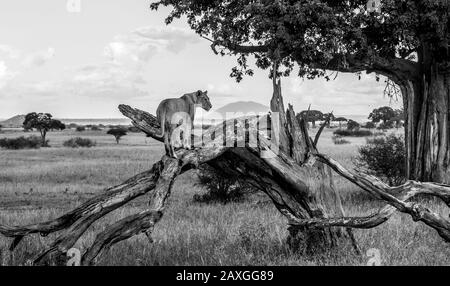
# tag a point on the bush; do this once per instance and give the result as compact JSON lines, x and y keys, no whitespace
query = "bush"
{"x":369,"y":125}
{"x":384,"y":157}
{"x":79,"y":142}
{"x":95,"y":128}
{"x":31,"y":142}
{"x":338,"y":140}
{"x":221,"y":188}
{"x":80,"y":128}
{"x":352,"y":133}
{"x":386,"y":125}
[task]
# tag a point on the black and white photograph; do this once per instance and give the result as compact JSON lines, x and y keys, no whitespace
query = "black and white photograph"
{"x":256,"y":134}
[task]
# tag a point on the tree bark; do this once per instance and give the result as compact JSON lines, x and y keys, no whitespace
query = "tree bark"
{"x":321,"y":199}
{"x":426,"y":104}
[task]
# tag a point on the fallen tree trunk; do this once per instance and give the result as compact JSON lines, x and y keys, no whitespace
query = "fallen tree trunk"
{"x":284,"y":163}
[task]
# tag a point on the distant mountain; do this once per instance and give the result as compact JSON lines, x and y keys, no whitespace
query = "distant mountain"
{"x":244,"y":107}
{"x":13,"y":122}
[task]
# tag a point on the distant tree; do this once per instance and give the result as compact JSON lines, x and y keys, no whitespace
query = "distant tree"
{"x":1,"y":126}
{"x":340,"y":120}
{"x":383,"y":114}
{"x":399,"y":118}
{"x":328,"y":117}
{"x":117,"y":133}
{"x":313,"y":116}
{"x":353,"y":125}
{"x":95,"y":128}
{"x":386,"y":125}
{"x":43,"y":122}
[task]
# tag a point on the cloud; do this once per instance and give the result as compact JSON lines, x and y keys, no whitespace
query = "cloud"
{"x":223,"y":90}
{"x":143,"y":43}
{"x":38,"y":59}
{"x":108,"y":79}
{"x":9,"y":52}
{"x":5,"y":75}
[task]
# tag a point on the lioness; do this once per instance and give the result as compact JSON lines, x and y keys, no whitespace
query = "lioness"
{"x":172,"y":112}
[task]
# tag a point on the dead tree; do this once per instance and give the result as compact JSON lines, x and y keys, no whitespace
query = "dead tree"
{"x":295,"y":176}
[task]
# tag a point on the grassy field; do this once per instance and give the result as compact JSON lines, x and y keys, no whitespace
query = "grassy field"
{"x":37,"y":185}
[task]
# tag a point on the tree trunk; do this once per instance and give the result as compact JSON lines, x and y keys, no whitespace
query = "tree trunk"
{"x":43,"y":135}
{"x":426,"y":104}
{"x":322,"y":199}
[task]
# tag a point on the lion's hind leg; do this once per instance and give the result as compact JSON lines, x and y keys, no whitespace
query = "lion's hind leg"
{"x":170,"y":151}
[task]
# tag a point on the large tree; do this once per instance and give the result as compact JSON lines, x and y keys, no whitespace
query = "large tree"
{"x":406,"y":41}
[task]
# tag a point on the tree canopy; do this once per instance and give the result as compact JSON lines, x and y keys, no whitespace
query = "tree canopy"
{"x":320,"y":35}
{"x":43,"y":122}
{"x":117,"y":133}
{"x":353,"y":125}
{"x":384,"y":114}
{"x":311,"y":116}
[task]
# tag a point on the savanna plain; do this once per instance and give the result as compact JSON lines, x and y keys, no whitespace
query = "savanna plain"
{"x":41,"y":184}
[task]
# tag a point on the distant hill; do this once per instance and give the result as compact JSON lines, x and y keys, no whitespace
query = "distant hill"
{"x":244,"y":107}
{"x":13,"y":122}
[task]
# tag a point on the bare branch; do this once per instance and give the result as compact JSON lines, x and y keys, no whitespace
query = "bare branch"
{"x":322,"y":127}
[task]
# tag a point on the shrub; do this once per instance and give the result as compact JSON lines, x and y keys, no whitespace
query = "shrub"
{"x":353,"y":125}
{"x":221,"y":188}
{"x":369,"y":125}
{"x":95,"y":128}
{"x":79,"y":142}
{"x":384,"y":157}
{"x":80,"y":128}
{"x":352,"y":133}
{"x":338,"y":140}
{"x":31,"y":142}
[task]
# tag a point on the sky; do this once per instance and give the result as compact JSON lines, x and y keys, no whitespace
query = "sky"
{"x":80,"y":59}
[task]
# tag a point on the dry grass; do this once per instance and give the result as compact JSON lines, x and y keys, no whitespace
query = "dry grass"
{"x":37,"y":185}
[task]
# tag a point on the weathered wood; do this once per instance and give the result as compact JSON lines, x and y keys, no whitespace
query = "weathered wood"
{"x":98,"y":206}
{"x":138,"y":223}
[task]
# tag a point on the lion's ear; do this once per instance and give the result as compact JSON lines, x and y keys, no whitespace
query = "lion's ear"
{"x":199,"y":92}
{"x":205,"y":92}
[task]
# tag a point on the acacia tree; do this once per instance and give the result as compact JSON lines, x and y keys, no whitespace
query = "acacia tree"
{"x":406,"y":41}
{"x":340,"y":120}
{"x":118,"y":133}
{"x":311,"y":116}
{"x":43,"y":122}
